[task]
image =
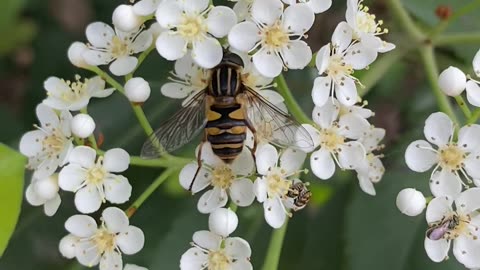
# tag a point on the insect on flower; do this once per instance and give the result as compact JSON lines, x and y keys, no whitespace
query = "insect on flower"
{"x":224,"y":110}
{"x":300,"y":195}
{"x":438,"y":230}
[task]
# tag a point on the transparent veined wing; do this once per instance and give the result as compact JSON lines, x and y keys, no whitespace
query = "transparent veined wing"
{"x":179,"y":129}
{"x":274,"y":125}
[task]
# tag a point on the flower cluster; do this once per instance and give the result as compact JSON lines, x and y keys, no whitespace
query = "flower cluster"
{"x":454,"y":154}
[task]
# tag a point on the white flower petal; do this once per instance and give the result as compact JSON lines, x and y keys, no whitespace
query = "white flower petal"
{"x":117,"y":189}
{"x":83,"y":156}
{"x":169,"y":14}
{"x":187,"y":174}
{"x":244,"y":163}
{"x":366,"y":185}
{"x":67,"y":246}
{"x":47,"y":117}
{"x":211,"y":200}
{"x":260,"y":189}
{"x":325,"y":116}
{"x":342,"y":36}
{"x":275,"y":213}
{"x":220,"y":20}
{"x":116,"y":160}
{"x":467,"y":251}
{"x":323,"y":59}
{"x":319,"y":6}
{"x":31,"y":142}
{"x":472,"y":165}
{"x":208,"y":156}
{"x":88,"y":200}
{"x":238,"y":248}
{"x":419,"y":157}
{"x":71,"y":177}
{"x":207,"y":53}
{"x":142,"y":42}
{"x":123,"y":65}
{"x":51,"y":206}
{"x":81,"y":226}
{"x":100,"y":34}
{"x":297,"y":54}
{"x":437,"y":250}
{"x":468,"y":201}
{"x":445,"y":183}
{"x":111,"y":260}
{"x":352,"y":155}
{"x":359,"y":56}
{"x":241,"y":265}
{"x":97,"y":58}
{"x":314,"y":135}
{"x":438,"y":128}
{"x":298,"y":18}
{"x":322,"y":164}
{"x":473,"y":93}
{"x":267,"y":63}
{"x":476,"y":63}
{"x":292,"y":160}
{"x":266,"y":158}
{"x":353,"y":126}
{"x":87,"y":253}
{"x":244,"y":36}
{"x":468,"y":138}
{"x":131,"y":241}
{"x":171,"y":46}
{"x":267,"y":11}
{"x":176,"y":90}
{"x":115,"y":219}
{"x":146,"y":7}
{"x":438,"y":208}
{"x":321,"y":90}
{"x":241,"y":192}
{"x":32,"y":197}
{"x":133,"y":266}
{"x":193,"y":259}
{"x":207,"y":240}
{"x":346,"y":91}
{"x":194,"y":6}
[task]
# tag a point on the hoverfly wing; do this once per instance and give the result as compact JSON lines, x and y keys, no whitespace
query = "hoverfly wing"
{"x":281,"y":128}
{"x":178,"y":130}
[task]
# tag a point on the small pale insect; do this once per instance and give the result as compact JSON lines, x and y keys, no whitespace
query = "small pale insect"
{"x":300,"y":195}
{"x":438,"y":230}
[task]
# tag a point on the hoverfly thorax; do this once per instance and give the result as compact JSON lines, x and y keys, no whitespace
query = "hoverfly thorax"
{"x":226,"y":77}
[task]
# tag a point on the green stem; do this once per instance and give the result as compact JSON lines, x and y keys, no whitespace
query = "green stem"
{"x":91,"y":138}
{"x":170,"y":162}
{"x":463,"y":105}
{"x":292,"y":105}
{"x":405,"y":20}
{"x":275,"y":248}
{"x":458,"y":38}
{"x":442,"y":26}
{"x":430,"y":65}
{"x":475,"y":115}
{"x":149,"y":191}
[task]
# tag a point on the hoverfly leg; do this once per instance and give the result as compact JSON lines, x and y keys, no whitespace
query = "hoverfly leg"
{"x":255,"y":139}
{"x":199,"y":162}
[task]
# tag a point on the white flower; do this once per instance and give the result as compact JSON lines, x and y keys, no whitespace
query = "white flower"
{"x":317,"y":6}
{"x":75,"y":52}
{"x":146,"y":7}
{"x":371,"y":170}
{"x":460,"y":226}
{"x":336,"y":63}
{"x":243,"y":9}
{"x":411,"y":202}
{"x":188,"y":78}
{"x":67,"y":246}
{"x":83,"y":125}
{"x":226,"y":180}
{"x":126,"y":19}
{"x":47,"y":147}
{"x":277,"y":175}
{"x":452,"y":81}
{"x":358,"y":110}
{"x":472,"y":87}
{"x":451,"y":159}
{"x":211,"y":251}
{"x":44,"y":191}
{"x":276,"y":34}
{"x":222,"y":222}
{"x":93,"y":182}
{"x":106,"y":243}
{"x":336,"y":138}
{"x":365,"y":27}
{"x":73,"y":96}
{"x":107,"y":45}
{"x":137,"y":90}
{"x":192,"y":24}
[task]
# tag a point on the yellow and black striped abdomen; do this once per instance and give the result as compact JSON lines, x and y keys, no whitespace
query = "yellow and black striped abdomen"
{"x":226,"y":130}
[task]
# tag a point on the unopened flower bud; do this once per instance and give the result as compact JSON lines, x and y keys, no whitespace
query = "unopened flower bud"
{"x":75,"y":52}
{"x":452,"y":81}
{"x":47,"y":188}
{"x":411,"y":202}
{"x":223,"y":222}
{"x":83,"y":125}
{"x":137,"y":90}
{"x":125,"y":19}
{"x":67,"y":246}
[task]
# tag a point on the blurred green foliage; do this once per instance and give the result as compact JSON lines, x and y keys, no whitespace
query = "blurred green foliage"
{"x":343,"y":229}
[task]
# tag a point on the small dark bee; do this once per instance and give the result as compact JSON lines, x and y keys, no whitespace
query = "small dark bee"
{"x":438,"y":230}
{"x":300,"y":195}
{"x":223,"y":111}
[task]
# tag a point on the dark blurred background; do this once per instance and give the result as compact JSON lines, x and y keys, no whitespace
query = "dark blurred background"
{"x":343,"y":228}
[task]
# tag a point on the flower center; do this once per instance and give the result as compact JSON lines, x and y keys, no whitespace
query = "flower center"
{"x":457,"y":225}
{"x":54,"y":143}
{"x":191,"y":27}
{"x":77,"y":89}
{"x":97,"y":174}
{"x":217,"y":260}
{"x":222,"y":177}
{"x":277,"y":183}
{"x":104,"y":240}
{"x":119,"y":47}
{"x":274,"y":37}
{"x":451,"y":157}
{"x":338,"y":67}
{"x":367,"y":23}
{"x":330,"y":140}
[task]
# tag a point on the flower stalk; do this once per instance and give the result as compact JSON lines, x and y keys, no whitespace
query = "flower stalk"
{"x":292,"y":105}
{"x":272,"y":258}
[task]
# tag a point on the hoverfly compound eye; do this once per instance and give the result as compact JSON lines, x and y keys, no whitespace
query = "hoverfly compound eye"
{"x":232,"y":58}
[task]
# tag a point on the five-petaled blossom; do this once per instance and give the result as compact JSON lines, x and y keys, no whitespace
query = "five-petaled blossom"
{"x":104,"y":244}
{"x":451,"y":159}
{"x":276,"y":176}
{"x":94,"y":182}
{"x":211,"y":251}
{"x":459,"y":225}
{"x":276,"y":34}
{"x":193,"y":25}
{"x":73,"y":96}
{"x":336,"y":63}
{"x":336,"y":138}
{"x":48,"y":147}
{"x":226,"y":180}
{"x":107,"y":45}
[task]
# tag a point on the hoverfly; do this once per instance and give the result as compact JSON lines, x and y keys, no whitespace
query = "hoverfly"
{"x":438,"y":230}
{"x":300,"y":195}
{"x":223,"y":111}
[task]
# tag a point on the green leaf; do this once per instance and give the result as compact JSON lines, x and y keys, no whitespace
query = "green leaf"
{"x":12,"y":168}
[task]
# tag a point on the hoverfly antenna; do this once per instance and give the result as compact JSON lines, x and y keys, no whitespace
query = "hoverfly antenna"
{"x":232,"y":58}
